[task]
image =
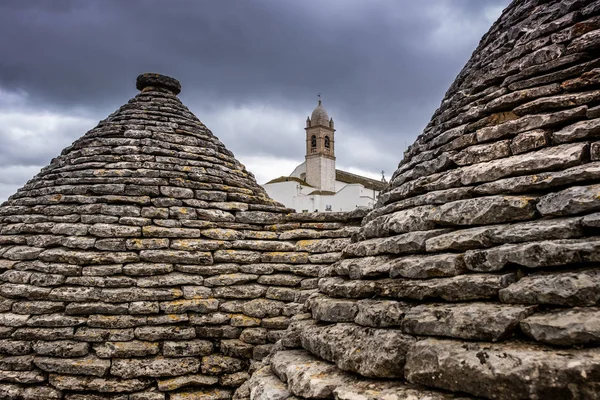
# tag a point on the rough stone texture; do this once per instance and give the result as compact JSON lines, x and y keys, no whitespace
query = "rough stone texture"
{"x":504,"y":371}
{"x":564,"y":327}
{"x":377,"y":353}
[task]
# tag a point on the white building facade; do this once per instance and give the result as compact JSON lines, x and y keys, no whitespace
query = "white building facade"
{"x":316,"y":185}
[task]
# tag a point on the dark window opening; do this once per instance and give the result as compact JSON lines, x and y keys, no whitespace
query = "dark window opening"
{"x":327,"y":141}
{"x":313,"y":141}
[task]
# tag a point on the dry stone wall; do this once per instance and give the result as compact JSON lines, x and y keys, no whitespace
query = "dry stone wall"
{"x":476,"y":276}
{"x":145,"y":263}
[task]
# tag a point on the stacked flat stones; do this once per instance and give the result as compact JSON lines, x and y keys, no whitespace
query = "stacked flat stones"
{"x":477,"y":274}
{"x":146,"y":263}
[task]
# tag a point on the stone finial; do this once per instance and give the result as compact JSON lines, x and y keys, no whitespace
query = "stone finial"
{"x":157,"y":80}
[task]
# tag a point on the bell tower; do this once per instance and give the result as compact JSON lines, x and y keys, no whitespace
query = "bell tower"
{"x":320,"y":150}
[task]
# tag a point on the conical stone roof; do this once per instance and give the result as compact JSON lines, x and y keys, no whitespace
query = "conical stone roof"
{"x":477,"y":275}
{"x":127,"y":262}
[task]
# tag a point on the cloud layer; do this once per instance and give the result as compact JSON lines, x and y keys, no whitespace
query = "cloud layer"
{"x":250,"y":70}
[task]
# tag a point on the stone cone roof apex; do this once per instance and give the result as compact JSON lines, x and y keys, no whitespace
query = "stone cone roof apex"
{"x":150,"y":80}
{"x":152,"y":146}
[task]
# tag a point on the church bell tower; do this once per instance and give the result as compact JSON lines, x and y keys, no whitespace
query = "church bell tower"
{"x":320,"y":150}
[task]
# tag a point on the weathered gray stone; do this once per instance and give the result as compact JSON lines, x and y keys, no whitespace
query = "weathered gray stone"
{"x":75,"y":366}
{"x":103,"y":385}
{"x":530,"y":140}
{"x":154,"y":367}
{"x":176,"y":256}
{"x":285,"y":257}
{"x":458,"y":288}
{"x":43,"y":333}
{"x":254,"y":335}
{"x":236,"y":348}
{"x":364,"y":267}
{"x":61,"y":348}
{"x":284,"y":294}
{"x":511,"y":128}
{"x":95,"y":308}
{"x":30,"y":377}
{"x":217,"y":364}
{"x":186,"y":380}
{"x":306,"y":376}
{"x":549,"y":253}
{"x":338,"y":287}
{"x":164,"y":333}
{"x":541,"y":181}
{"x":380,"y":313}
{"x":483,"y":152}
{"x":423,"y":267}
{"x":100,"y":335}
{"x":208,"y":394}
{"x":564,"y":327}
{"x":197,"y":305}
{"x":574,"y":288}
{"x":250,"y":291}
{"x":578,"y":131}
{"x":367,"y":390}
{"x":503,"y":371}
{"x":261,"y":308}
{"x":187,"y":348}
{"x":381,"y":352}
{"x":265,"y":385}
{"x":280,"y":280}
{"x":229,"y":279}
{"x":551,"y":158}
{"x":487,"y":236}
{"x":15,"y":347}
{"x":485,"y":210}
{"x":125,"y":349}
{"x":412,"y":242}
{"x":473,"y":321}
{"x":332,"y":310}
{"x":242,"y":320}
{"x":574,"y":200}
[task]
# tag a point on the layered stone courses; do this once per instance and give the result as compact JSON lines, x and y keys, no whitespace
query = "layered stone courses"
{"x":146,"y":263}
{"x":476,"y":275}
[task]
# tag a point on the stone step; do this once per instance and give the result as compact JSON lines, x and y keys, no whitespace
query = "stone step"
{"x":299,"y":373}
{"x":505,"y":371}
{"x":370,"y":352}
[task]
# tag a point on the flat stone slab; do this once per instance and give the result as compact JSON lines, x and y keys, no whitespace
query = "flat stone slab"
{"x":424,"y":266}
{"x":371,"y":352}
{"x":264,"y":384}
{"x":574,"y":200}
{"x":457,"y":288}
{"x":328,"y":309}
{"x":386,"y":390}
{"x":485,"y":210}
{"x":573,"y":288}
{"x":505,"y":371}
{"x":474,"y":321}
{"x":412,"y":242}
{"x":564,"y":327}
{"x":548,"y":253}
{"x":307,"y":376}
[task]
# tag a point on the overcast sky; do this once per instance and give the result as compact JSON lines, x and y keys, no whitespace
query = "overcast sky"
{"x":250,"y":70}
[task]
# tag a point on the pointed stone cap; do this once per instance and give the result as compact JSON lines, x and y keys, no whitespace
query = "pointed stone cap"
{"x":152,"y":80}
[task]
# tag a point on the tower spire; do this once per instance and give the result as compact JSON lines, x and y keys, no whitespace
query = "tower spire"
{"x":319,"y":96}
